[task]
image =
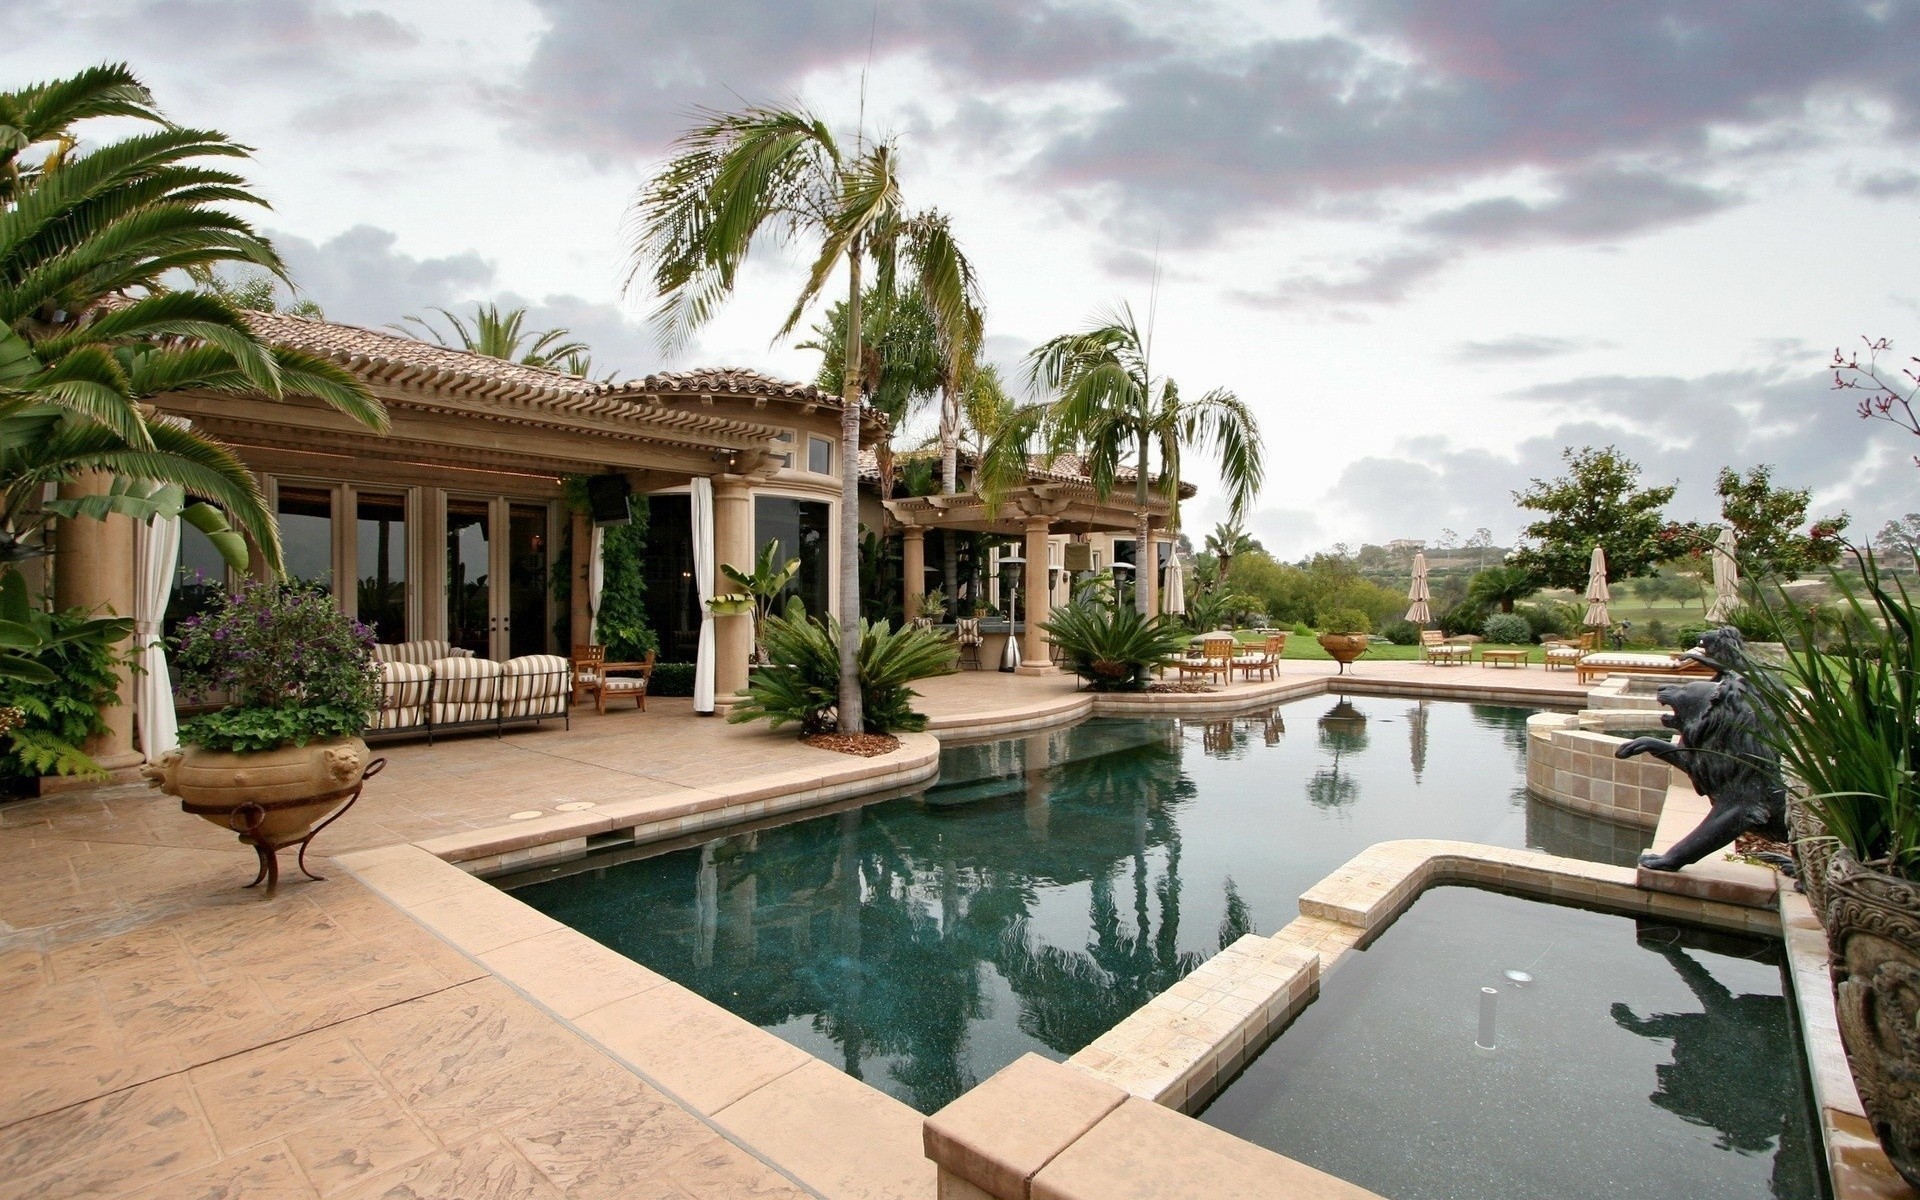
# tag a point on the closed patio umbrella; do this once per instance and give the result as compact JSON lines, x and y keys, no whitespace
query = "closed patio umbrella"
{"x":1173,"y":592}
{"x":1417,"y":612}
{"x":1726,"y":577}
{"x":1597,"y":593}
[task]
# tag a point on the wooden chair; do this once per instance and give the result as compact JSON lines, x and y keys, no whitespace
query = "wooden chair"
{"x":1435,"y":648}
{"x":1216,"y":660}
{"x":1564,"y":655}
{"x":593,"y":673}
{"x":1264,"y":661}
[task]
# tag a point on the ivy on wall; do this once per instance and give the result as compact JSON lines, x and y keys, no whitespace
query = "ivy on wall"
{"x":623,"y":626}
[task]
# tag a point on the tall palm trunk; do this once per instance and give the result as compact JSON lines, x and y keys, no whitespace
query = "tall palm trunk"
{"x":852,"y":717}
{"x":949,"y":484}
{"x":1142,"y":547}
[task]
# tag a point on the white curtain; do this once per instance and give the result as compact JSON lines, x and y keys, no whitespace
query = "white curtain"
{"x":703,"y":579}
{"x":156,"y":554}
{"x":596,"y":580}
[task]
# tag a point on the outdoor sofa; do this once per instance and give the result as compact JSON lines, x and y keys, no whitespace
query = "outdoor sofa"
{"x":434,"y":687}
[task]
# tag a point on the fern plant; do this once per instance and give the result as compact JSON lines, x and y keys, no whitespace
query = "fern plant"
{"x":57,"y":670}
{"x":1112,"y":648}
{"x":800,"y":684}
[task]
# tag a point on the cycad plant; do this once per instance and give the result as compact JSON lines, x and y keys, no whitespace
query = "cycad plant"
{"x":1842,"y":716}
{"x":90,"y":241}
{"x":738,"y":176}
{"x":1110,"y":407}
{"x":1112,"y":648}
{"x":800,"y":684}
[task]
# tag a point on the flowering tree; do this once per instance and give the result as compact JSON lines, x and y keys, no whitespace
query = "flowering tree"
{"x":1884,"y":397}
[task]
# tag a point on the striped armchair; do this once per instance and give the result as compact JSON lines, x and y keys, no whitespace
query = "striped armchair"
{"x":535,"y":686}
{"x":404,"y":690}
{"x":466,"y":690}
{"x":422,"y":653}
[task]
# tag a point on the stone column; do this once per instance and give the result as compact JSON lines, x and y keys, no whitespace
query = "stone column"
{"x":580,"y":610}
{"x":732,"y":546}
{"x":913,"y":565}
{"x":1034,"y":658}
{"x":93,"y":570}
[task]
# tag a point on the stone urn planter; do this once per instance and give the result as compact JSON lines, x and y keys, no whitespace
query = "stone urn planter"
{"x":1812,"y":852}
{"x":1344,"y":647}
{"x":1873,"y":928}
{"x":270,"y":798}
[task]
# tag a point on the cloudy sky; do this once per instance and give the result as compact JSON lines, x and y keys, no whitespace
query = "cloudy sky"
{"x":1431,"y":241}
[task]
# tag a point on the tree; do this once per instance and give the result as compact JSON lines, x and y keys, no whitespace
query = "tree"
{"x":1226,"y":542}
{"x":90,"y":328}
{"x":1501,"y":587}
{"x":1767,"y":524}
{"x":502,"y":334}
{"x":781,"y":171}
{"x":900,"y":367}
{"x":1598,"y":502}
{"x":1885,"y":398}
{"x":1899,"y":538}
{"x":1481,"y":540}
{"x":1108,"y":405}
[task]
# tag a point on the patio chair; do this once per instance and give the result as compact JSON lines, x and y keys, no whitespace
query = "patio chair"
{"x":1264,"y":661}
{"x":1565,"y":655}
{"x":594,"y":675}
{"x":966,"y":631}
{"x":1435,"y":648}
{"x":1216,"y":660}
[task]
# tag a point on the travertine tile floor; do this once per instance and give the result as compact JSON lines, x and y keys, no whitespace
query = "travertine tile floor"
{"x":169,"y":1034}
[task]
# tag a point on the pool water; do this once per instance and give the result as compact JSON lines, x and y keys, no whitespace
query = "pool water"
{"x":1048,"y":885}
{"x":1642,"y":1059}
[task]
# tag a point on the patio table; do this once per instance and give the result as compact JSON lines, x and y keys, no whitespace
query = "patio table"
{"x":1504,"y":658}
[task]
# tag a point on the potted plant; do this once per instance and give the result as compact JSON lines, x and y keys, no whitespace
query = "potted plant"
{"x":299,"y":686}
{"x":762,"y":586}
{"x":1842,"y":718}
{"x":933,"y":606}
{"x":1343,"y":634}
{"x":1112,"y":648}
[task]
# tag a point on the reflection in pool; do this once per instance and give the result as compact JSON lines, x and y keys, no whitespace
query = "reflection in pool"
{"x":1639,"y":1059}
{"x":1048,"y":885}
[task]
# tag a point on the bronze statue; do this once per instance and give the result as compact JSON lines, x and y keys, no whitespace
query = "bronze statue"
{"x":1721,"y":751}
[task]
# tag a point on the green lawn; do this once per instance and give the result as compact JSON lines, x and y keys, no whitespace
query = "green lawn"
{"x":1307,"y":648}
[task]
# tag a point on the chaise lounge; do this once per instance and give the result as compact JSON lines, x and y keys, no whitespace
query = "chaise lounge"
{"x":1623,"y":662}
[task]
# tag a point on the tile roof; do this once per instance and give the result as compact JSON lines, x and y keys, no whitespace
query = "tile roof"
{"x":1065,"y":468}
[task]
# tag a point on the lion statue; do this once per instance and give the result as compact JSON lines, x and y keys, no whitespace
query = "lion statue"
{"x":1721,"y":751}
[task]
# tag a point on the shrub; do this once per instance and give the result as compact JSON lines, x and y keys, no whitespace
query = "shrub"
{"x":1302,"y":629}
{"x":61,"y":674}
{"x":1507,"y":629}
{"x":1112,"y":648}
{"x":671,"y":679}
{"x":1551,"y":618}
{"x":1842,"y":719}
{"x":1464,"y":617}
{"x":802,"y":682}
{"x":1757,"y":623}
{"x":1657,"y":632}
{"x":1688,"y":632}
{"x":293,"y":666}
{"x":1345,"y":620}
{"x":1402,"y":633}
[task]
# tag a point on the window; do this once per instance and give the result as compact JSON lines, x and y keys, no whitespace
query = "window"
{"x":306,"y":533}
{"x":201,"y":575}
{"x":785,"y":438}
{"x":381,"y":570}
{"x":802,"y":529}
{"x":819,"y":456}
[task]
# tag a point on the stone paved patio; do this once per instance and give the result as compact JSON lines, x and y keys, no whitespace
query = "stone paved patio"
{"x":172,"y":1035}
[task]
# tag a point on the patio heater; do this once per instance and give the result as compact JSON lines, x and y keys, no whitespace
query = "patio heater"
{"x":1010,"y":654}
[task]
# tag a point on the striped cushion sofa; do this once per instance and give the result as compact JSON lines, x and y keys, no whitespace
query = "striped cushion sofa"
{"x":433,"y":687}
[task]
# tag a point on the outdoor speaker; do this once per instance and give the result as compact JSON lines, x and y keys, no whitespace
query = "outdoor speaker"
{"x":609,"y":499}
{"x":1079,"y":557}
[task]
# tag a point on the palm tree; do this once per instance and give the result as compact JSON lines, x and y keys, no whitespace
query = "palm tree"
{"x":899,"y":367}
{"x":1227,"y":540}
{"x":88,"y":327}
{"x":781,"y":171}
{"x":1108,"y":405}
{"x":1501,"y":586}
{"x":503,"y":334}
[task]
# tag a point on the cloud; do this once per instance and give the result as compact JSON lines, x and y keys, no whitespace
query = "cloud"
{"x":1888,"y":185}
{"x":1524,"y":347}
{"x":1383,"y":279}
{"x":1593,"y":205}
{"x":362,"y":278}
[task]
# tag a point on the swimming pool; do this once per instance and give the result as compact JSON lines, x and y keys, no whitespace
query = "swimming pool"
{"x":1050,"y":884}
{"x":1633,"y":1057}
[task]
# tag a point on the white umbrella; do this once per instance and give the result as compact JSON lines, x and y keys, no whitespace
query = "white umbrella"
{"x":1173,"y":592}
{"x":1417,"y":612}
{"x":1597,"y":593}
{"x":1726,"y":577}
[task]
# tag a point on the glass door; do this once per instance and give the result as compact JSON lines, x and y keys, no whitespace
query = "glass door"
{"x":526,"y":615}
{"x":470,"y":617}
